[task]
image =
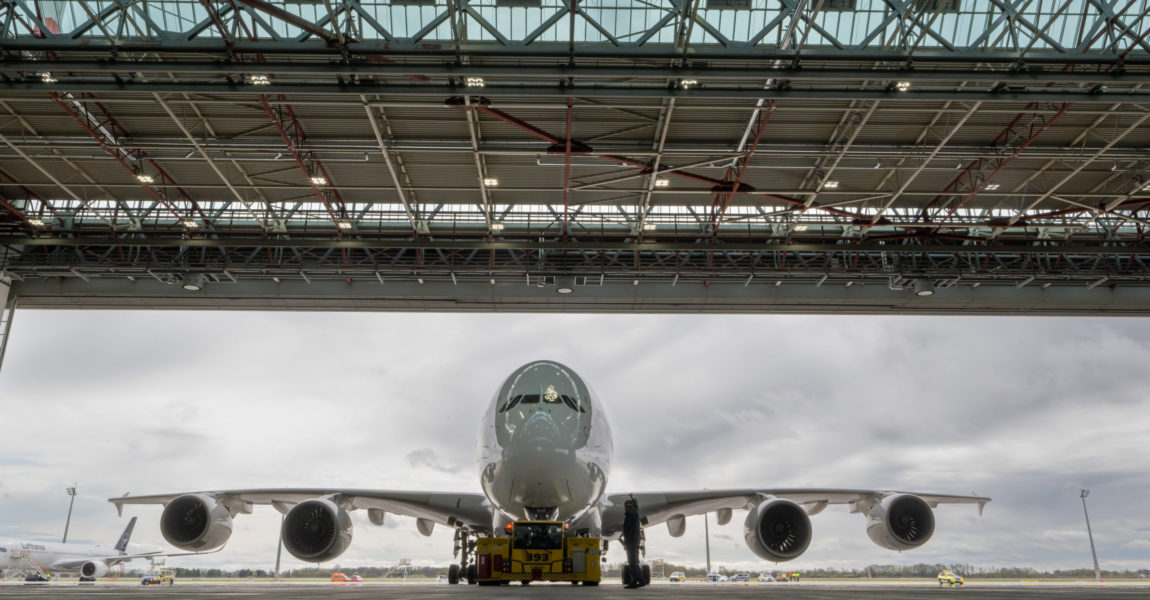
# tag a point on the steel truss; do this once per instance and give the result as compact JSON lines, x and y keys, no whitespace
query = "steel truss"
{"x":133,"y":180}
{"x":1010,"y":31}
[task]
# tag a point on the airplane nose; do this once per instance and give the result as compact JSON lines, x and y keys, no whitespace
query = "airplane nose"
{"x":541,"y":430}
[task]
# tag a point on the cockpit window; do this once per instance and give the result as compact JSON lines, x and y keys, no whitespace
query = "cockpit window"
{"x":544,"y":402}
{"x":551,"y":397}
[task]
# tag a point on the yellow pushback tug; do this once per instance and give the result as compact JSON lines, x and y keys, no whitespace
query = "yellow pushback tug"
{"x":537,"y":551}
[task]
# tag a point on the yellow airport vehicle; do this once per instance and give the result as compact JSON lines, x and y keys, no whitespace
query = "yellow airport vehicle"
{"x":950,"y":577}
{"x":159,"y":577}
{"x":537,"y":551}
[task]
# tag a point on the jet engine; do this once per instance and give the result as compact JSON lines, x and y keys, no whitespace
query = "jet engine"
{"x":777,"y":530}
{"x":900,"y":522}
{"x":317,"y":530}
{"x":93,"y":569}
{"x":196,"y":522}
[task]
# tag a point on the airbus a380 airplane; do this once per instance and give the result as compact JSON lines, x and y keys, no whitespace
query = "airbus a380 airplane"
{"x":544,"y":453}
{"x":86,"y":560}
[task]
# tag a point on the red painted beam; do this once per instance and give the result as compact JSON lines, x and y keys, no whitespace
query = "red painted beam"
{"x":299,"y":159}
{"x":741,"y":188}
{"x":116,"y":155}
{"x":296,"y":20}
{"x":723,"y":199}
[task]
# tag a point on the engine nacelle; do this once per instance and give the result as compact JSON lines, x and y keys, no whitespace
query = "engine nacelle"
{"x":93,"y":569}
{"x":900,"y":522}
{"x":196,"y":522}
{"x":777,"y":530}
{"x":316,"y":530}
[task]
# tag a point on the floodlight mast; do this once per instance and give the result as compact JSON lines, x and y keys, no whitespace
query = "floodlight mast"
{"x":67,"y":522}
{"x":1097,"y":571}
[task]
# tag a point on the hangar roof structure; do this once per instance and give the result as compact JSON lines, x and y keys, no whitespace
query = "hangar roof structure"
{"x":938,"y":156}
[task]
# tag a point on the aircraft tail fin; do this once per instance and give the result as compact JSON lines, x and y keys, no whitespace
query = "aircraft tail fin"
{"x":122,"y":545}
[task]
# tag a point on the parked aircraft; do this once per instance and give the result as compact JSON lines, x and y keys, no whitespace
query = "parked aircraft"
{"x":545,"y":451}
{"x":86,"y":560}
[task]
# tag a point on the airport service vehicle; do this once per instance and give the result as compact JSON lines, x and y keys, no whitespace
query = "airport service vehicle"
{"x":741,"y":577}
{"x":534,"y":551}
{"x":950,"y":577}
{"x":441,"y":579}
{"x":677,"y":576}
{"x":766,"y":578}
{"x":716,"y":578}
{"x":159,"y":577}
{"x":87,"y":561}
{"x":343,"y":578}
{"x":545,"y":452}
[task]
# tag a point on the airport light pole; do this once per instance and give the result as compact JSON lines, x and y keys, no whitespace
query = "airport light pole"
{"x":71,"y":492}
{"x":1097,"y":571}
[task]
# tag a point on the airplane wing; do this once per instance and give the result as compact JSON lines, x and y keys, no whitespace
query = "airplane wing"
{"x":72,"y":564}
{"x":672,"y":507}
{"x":446,"y":508}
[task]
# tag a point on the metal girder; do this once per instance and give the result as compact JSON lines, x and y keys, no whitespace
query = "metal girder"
{"x":476,"y":294}
{"x":211,"y":163}
{"x":102,"y":131}
{"x":652,"y":28}
{"x":1105,"y":247}
{"x":578,"y":72}
{"x":793,"y":93}
{"x":979,"y":173}
{"x":294,"y":138}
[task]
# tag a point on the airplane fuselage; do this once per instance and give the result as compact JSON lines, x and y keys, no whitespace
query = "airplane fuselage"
{"x":48,"y":555}
{"x":545,"y":447}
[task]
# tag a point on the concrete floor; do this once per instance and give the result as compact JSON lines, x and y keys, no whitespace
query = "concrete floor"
{"x":607,"y":591}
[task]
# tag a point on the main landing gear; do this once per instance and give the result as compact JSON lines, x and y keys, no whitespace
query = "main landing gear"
{"x":464,"y":549}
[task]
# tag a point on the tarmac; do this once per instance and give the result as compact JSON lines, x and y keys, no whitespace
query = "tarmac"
{"x":607,"y":591}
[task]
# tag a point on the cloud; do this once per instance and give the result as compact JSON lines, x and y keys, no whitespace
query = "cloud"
{"x":426,"y":458}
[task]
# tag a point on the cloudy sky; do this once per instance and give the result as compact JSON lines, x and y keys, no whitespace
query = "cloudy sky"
{"x":1025,"y":410}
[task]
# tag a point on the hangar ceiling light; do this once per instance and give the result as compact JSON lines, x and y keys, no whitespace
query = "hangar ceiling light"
{"x":923,"y":287}
{"x":194,"y":282}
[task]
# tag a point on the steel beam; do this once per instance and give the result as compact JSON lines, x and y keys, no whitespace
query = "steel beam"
{"x":844,"y":92}
{"x":1103,"y":248}
{"x":614,"y":296}
{"x":578,"y":72}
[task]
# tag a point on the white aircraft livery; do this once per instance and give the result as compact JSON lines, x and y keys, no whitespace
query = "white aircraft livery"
{"x":86,"y":560}
{"x":545,"y":453}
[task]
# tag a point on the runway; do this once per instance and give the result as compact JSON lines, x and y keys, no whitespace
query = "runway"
{"x":607,"y":591}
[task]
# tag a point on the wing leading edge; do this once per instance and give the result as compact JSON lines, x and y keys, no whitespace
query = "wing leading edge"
{"x":669,"y":507}
{"x":444,"y":508}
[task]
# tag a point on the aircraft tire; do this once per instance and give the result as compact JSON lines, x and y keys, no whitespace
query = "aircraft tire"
{"x":471,"y":574}
{"x":626,"y":575}
{"x":646,"y":575}
{"x":453,"y":574}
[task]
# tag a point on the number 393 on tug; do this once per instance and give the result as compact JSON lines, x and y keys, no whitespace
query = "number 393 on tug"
{"x":537,"y":551}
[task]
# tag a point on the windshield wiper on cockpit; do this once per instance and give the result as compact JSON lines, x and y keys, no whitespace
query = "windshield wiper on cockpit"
{"x":573,"y":404}
{"x":511,"y":403}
